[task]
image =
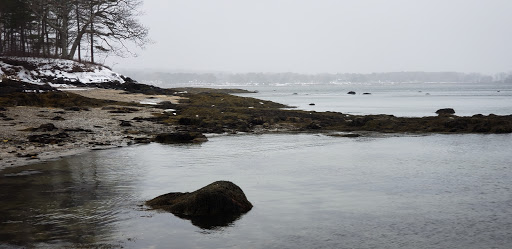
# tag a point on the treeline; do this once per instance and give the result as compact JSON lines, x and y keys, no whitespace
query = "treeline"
{"x":66,"y":28}
{"x":271,"y":78}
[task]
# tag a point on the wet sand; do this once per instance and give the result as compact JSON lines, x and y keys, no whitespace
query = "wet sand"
{"x":80,"y":131}
{"x":119,"y":95}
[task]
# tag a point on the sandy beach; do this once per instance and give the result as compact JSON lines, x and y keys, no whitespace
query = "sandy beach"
{"x":24,"y":129}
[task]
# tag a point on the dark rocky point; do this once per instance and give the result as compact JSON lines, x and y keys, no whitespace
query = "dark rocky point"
{"x":352,"y":93}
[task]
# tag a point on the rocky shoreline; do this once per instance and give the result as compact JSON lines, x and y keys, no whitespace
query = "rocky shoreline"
{"x":41,"y":124}
{"x":31,"y":133}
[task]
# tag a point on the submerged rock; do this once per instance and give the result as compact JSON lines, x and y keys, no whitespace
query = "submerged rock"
{"x":217,"y":204}
{"x":351,"y":93}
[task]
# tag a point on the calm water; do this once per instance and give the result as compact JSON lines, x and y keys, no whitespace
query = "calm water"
{"x":308,"y":191}
{"x":399,"y":99}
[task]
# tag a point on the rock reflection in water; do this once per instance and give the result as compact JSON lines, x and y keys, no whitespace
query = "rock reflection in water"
{"x":64,"y":202}
{"x":216,"y":205}
{"x":212,"y":222}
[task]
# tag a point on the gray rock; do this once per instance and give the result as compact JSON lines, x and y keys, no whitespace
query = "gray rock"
{"x":217,"y":204}
{"x":445,"y":111}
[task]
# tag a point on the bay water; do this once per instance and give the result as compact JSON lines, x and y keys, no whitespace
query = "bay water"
{"x":308,"y":190}
{"x":399,"y":99}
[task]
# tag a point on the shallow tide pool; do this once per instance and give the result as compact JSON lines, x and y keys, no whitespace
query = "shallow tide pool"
{"x":308,"y":191}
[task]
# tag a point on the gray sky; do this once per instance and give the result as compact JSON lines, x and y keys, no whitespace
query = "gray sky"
{"x":315,"y":36}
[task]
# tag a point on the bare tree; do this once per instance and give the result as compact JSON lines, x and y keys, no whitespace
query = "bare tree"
{"x":113,"y":22}
{"x":109,"y":24}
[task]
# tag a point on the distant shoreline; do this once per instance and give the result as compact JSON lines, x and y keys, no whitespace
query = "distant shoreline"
{"x":39,"y":132}
{"x":39,"y":122}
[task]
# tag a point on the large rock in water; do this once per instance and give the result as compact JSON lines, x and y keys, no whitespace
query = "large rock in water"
{"x":181,"y":137}
{"x":445,"y":112}
{"x":217,"y":204}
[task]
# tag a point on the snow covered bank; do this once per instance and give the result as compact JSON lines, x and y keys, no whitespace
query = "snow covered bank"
{"x":56,"y":72}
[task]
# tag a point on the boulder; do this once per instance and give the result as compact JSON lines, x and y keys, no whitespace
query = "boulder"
{"x":48,"y":138}
{"x":217,"y":204}
{"x":313,"y":126}
{"x":181,"y":137}
{"x":125,"y":123}
{"x":445,"y":111}
{"x":351,"y":93}
{"x":46,"y":127}
{"x":58,"y":118}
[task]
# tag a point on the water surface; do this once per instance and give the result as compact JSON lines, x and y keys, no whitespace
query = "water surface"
{"x":399,"y":99}
{"x":308,"y":191}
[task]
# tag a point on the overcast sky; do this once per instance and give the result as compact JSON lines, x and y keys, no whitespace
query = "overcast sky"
{"x":316,"y":36}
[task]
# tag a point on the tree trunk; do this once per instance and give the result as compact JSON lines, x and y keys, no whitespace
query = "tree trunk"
{"x":47,"y":36}
{"x":57,"y":41}
{"x":1,"y":40}
{"x":92,"y":42}
{"x":78,"y":40}
{"x":22,"y":39}
{"x":64,"y":38}
{"x":78,"y":37}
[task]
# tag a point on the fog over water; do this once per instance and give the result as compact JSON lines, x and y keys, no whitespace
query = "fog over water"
{"x":325,"y":36}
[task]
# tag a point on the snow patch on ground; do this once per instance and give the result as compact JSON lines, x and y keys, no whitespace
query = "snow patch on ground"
{"x":54,"y":71}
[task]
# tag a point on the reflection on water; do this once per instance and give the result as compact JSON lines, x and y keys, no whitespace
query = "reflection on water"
{"x":213,"y":222}
{"x":308,"y":191}
{"x":65,"y":201}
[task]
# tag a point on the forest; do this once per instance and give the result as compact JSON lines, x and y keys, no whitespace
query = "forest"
{"x":70,"y":29}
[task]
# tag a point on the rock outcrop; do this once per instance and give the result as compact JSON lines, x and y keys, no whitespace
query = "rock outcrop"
{"x":445,"y":111}
{"x":217,"y":204}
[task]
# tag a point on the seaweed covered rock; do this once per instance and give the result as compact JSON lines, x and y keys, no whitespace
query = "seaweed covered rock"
{"x":181,"y":137}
